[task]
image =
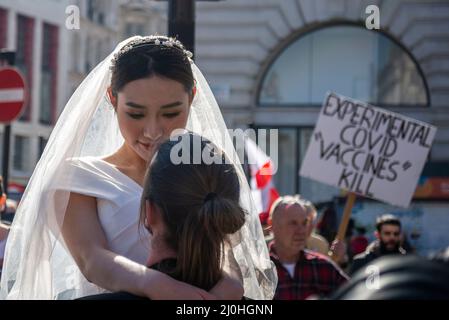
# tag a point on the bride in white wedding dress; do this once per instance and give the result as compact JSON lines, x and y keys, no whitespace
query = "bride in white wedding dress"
{"x":76,"y":231}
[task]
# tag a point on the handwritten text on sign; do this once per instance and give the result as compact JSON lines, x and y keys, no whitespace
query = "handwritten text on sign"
{"x":367,"y":150}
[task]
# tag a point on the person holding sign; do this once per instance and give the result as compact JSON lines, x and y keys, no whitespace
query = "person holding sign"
{"x":318,"y":243}
{"x":301,"y":273}
{"x":366,"y":151}
{"x":388,"y":234}
{"x":315,"y":241}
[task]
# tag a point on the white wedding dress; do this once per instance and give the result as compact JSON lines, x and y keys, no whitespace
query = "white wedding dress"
{"x":37,"y":263}
{"x":118,"y":209}
{"x":118,"y":205}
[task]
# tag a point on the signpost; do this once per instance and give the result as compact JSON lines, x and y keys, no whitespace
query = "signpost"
{"x":12,"y":94}
{"x":12,"y":99}
{"x":367,"y":151}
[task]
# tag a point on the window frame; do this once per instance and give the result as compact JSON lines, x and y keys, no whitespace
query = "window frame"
{"x":315,"y":27}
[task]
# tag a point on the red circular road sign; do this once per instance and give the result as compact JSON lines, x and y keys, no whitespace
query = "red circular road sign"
{"x":12,"y":94}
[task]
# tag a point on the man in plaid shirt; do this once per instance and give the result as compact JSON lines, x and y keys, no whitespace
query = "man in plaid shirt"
{"x":301,"y":273}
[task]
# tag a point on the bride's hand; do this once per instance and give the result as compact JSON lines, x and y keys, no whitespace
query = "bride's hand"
{"x":164,"y":287}
{"x":227,"y":288}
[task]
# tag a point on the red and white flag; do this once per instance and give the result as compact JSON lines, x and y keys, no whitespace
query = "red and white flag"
{"x":261,"y":171}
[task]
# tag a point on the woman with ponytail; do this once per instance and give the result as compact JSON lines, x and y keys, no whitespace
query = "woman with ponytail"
{"x":75,"y":232}
{"x":190,"y":209}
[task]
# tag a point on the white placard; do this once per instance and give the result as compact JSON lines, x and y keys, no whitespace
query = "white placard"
{"x":367,"y":150}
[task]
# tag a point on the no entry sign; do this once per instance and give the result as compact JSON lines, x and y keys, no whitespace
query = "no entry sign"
{"x":12,"y":94}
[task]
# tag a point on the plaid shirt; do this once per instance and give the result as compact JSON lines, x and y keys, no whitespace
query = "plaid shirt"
{"x":315,"y":274}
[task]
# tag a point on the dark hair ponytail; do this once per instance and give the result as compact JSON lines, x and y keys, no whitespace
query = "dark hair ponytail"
{"x":201,"y":241}
{"x":200,"y":208}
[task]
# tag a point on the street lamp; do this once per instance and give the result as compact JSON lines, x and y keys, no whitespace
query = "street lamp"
{"x":181,"y":21}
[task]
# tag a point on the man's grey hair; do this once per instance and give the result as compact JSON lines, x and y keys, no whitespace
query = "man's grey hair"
{"x":293,"y":199}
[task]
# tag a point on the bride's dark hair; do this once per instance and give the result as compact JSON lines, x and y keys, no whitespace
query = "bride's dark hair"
{"x":199,"y":204}
{"x":147,"y":56}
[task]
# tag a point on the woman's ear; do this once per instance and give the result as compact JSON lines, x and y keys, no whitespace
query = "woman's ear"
{"x":192,"y":94}
{"x":112,"y":98}
{"x":148,"y":216}
{"x":152,"y":214}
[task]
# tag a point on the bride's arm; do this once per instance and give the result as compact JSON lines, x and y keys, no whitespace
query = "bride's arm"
{"x":87,"y":243}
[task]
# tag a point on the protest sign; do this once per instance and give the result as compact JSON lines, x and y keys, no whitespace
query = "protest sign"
{"x":367,"y":150}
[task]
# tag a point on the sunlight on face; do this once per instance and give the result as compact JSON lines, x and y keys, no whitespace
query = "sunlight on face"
{"x":148,"y":110}
{"x":290,"y":227}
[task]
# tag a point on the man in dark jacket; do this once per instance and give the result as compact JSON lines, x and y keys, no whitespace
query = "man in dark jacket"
{"x":388,"y":234}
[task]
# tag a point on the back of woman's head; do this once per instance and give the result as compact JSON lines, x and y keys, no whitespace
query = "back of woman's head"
{"x":197,"y":191}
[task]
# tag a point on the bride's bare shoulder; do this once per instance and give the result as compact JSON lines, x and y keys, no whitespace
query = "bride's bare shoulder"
{"x":110,"y":159}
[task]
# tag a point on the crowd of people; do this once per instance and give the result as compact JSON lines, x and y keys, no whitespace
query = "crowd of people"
{"x":307,"y":266}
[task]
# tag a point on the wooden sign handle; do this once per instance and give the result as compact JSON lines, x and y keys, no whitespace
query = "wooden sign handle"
{"x":346,"y":216}
{"x":345,"y":219}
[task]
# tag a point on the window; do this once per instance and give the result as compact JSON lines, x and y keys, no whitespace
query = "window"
{"x":49,"y":74}
{"x":292,"y":144}
{"x":347,"y":59}
{"x":88,"y":55}
{"x":21,"y":161}
{"x":91,"y":7}
{"x":95,"y":11}
{"x":42,"y":144}
{"x":133,"y":29}
{"x":76,"y":45}
{"x":3,"y":27}
{"x":24,"y":58}
{"x":284,"y":180}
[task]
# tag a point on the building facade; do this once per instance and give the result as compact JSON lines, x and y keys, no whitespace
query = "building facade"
{"x":57,"y":43}
{"x":271,"y":63}
{"x":37,"y":35}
